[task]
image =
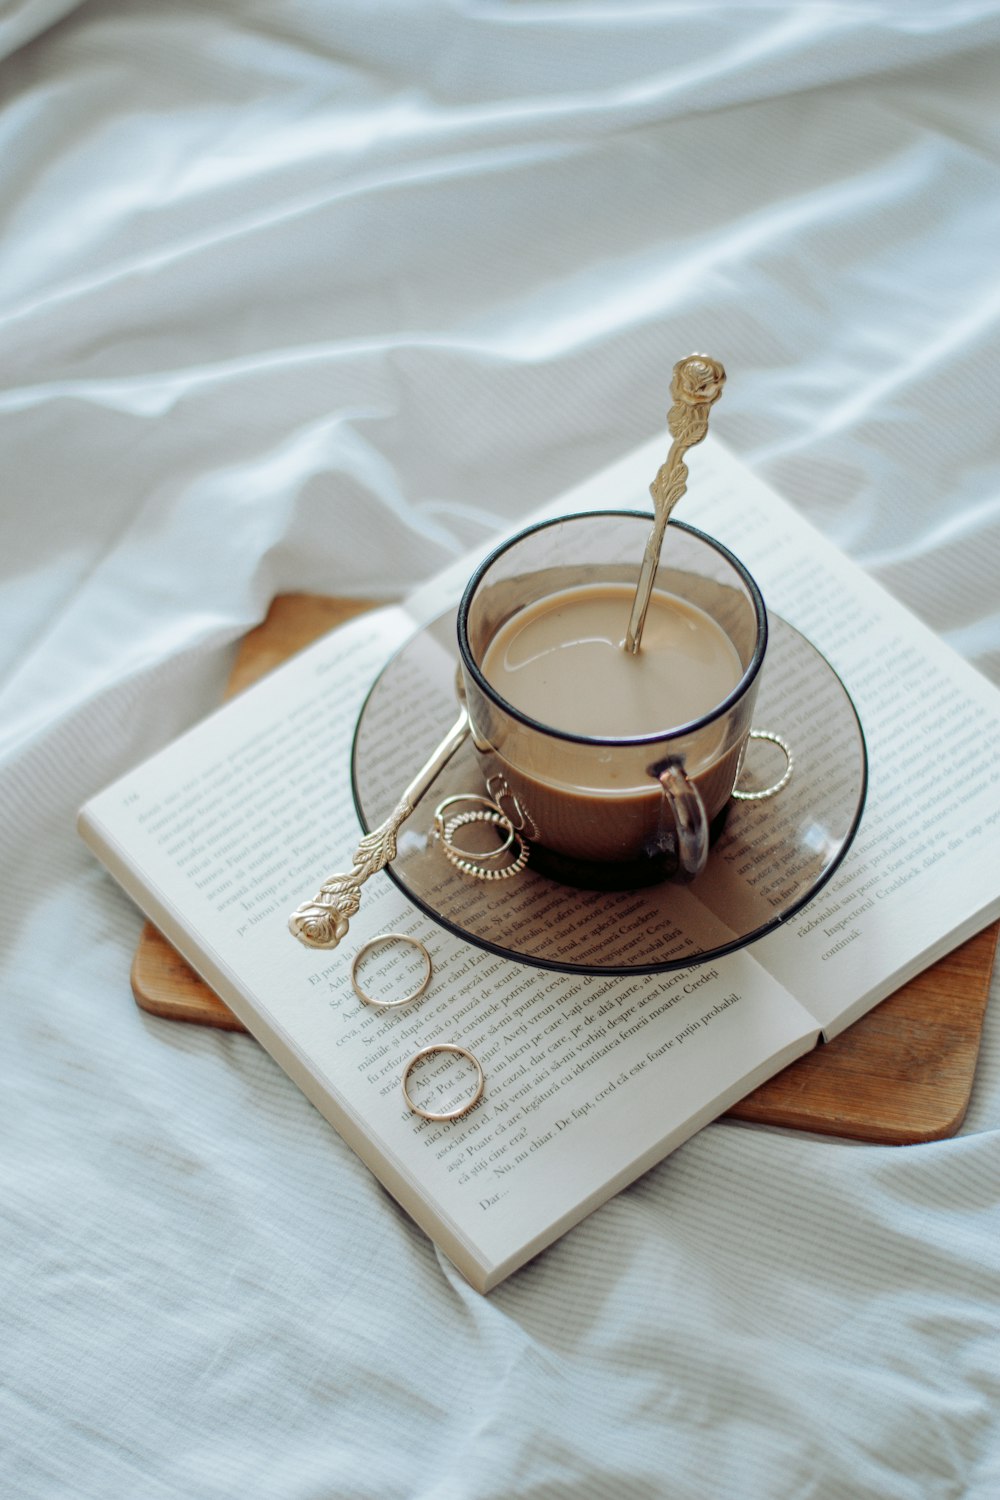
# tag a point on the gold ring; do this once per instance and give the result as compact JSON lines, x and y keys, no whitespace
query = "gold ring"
{"x":462,"y":820}
{"x":461,"y":1109}
{"x":782,"y":782}
{"x":380,"y":940}
{"x":523,"y":822}
{"x":459,"y":797}
{"x":467,"y":864}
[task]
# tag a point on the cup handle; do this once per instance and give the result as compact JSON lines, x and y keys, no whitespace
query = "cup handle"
{"x":690,"y":817}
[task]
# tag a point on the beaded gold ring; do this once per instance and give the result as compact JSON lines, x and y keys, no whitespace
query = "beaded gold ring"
{"x":783,"y":780}
{"x":469,"y":863}
{"x":482,"y":803}
{"x":487,"y":813}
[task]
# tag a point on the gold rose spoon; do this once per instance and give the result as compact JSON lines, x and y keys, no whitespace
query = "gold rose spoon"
{"x":697,"y":383}
{"x":323,"y":921}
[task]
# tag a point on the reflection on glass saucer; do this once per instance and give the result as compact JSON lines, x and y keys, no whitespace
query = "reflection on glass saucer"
{"x":770,"y":859}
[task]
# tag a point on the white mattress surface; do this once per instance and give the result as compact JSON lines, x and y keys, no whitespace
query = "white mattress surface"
{"x":314,"y":297}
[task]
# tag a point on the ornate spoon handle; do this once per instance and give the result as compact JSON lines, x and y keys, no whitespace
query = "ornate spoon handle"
{"x":697,"y":382}
{"x":323,"y":921}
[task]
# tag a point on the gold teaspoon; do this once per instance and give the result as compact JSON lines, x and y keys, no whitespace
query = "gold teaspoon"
{"x":697,"y":383}
{"x":323,"y":921}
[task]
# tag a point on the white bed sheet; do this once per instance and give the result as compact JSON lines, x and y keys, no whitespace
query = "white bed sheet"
{"x":312,"y":297}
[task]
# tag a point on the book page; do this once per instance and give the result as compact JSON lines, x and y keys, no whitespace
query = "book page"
{"x":589,"y":1080}
{"x":922,"y":874}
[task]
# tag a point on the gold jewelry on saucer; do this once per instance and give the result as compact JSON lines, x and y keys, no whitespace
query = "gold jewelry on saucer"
{"x":463,"y":820}
{"x":323,"y":921}
{"x":481,"y":802}
{"x":461,"y":1109}
{"x":488,"y":812}
{"x":522,"y":820}
{"x":468,"y":863}
{"x":380,"y":941}
{"x":783,"y":780}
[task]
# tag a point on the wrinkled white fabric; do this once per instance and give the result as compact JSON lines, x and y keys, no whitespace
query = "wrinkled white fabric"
{"x":314,"y":297}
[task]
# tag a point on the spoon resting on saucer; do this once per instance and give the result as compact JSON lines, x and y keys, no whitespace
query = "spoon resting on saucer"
{"x":323,"y":921}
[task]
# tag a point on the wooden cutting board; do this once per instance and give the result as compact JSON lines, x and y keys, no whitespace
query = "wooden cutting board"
{"x":900,"y":1075}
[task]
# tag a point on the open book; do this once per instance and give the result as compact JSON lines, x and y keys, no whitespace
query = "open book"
{"x":590,"y":1078}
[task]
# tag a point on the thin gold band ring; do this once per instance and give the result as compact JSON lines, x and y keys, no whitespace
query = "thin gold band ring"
{"x":378,"y":942}
{"x":459,"y":1110}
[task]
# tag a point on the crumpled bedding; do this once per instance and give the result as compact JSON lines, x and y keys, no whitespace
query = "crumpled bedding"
{"x":316,"y":297}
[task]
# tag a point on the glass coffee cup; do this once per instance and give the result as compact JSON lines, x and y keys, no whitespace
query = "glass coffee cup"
{"x":618,"y":770}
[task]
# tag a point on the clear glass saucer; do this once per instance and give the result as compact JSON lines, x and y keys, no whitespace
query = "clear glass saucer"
{"x":770,"y":859}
